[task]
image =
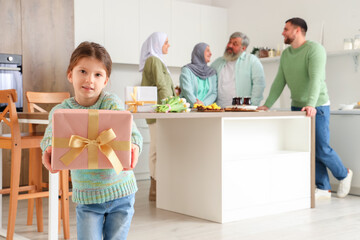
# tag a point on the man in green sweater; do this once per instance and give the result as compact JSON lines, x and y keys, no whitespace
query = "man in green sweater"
{"x":302,"y":69}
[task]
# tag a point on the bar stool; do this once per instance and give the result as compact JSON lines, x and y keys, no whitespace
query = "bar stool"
{"x":17,"y":141}
{"x":34,"y":99}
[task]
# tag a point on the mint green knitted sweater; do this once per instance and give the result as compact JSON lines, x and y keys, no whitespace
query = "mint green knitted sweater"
{"x":303,"y":70}
{"x":100,"y":185}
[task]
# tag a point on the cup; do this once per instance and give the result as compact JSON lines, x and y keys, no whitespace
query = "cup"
{"x":247,"y":101}
{"x":237,"y":101}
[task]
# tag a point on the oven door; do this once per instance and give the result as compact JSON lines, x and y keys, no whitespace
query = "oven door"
{"x":11,"y":77}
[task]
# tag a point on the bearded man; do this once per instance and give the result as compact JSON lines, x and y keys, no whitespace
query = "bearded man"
{"x":302,"y":69}
{"x":240,"y":74}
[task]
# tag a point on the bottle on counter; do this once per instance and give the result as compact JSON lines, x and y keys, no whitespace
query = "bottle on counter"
{"x":356,"y":43}
{"x":348,"y":44}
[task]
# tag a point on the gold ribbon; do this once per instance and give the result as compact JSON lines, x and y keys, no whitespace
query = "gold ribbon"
{"x":134,"y":103}
{"x":104,"y":142}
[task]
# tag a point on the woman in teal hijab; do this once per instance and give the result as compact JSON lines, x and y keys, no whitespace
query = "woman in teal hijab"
{"x":198,"y":81}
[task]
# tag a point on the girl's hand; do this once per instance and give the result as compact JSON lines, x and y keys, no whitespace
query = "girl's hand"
{"x":46,"y":160}
{"x":134,"y":156}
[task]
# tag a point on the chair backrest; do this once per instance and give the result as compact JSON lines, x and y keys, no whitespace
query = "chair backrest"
{"x":9,"y":114}
{"x":35,"y":98}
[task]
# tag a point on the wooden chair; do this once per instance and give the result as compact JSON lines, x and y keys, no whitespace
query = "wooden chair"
{"x":34,"y":99}
{"x":17,"y":141}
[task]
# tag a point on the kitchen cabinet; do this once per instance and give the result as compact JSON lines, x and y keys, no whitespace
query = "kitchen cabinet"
{"x":344,"y":139}
{"x":122,"y":30}
{"x":236,"y":165}
{"x":122,"y":27}
{"x":186,"y":32}
{"x":155,"y":16}
{"x":194,"y":23}
{"x":214,"y":29}
{"x":10,"y":19}
{"x":89,"y":21}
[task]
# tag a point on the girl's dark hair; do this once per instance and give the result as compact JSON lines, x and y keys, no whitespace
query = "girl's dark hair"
{"x":91,"y":49}
{"x":299,"y":22}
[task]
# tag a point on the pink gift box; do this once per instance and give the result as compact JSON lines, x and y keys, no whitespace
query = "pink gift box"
{"x":70,"y":127}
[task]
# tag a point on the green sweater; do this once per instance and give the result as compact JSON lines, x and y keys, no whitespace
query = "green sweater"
{"x":155,"y":74}
{"x":303,"y":70}
{"x":99,"y":185}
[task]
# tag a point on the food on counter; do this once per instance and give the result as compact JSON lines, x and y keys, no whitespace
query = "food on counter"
{"x":239,"y":109}
{"x":210,"y":108}
{"x":173,"y":104}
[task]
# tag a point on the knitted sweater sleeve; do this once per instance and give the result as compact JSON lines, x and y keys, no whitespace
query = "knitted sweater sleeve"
{"x":316,"y":71}
{"x":46,"y":141}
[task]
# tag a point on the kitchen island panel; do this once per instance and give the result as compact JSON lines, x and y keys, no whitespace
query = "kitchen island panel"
{"x":230,"y":168}
{"x":189,"y":167}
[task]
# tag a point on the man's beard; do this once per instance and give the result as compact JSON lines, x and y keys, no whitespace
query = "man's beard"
{"x":229,"y":57}
{"x":288,"y":40}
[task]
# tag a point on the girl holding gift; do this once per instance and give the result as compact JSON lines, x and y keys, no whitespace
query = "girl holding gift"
{"x":198,"y":81}
{"x":105,"y":200}
{"x":155,"y":73}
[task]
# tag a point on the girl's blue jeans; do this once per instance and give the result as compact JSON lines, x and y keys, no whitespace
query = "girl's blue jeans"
{"x":325,"y":156}
{"x":109,"y":221}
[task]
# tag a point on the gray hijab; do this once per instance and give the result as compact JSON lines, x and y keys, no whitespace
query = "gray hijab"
{"x":198,"y":65}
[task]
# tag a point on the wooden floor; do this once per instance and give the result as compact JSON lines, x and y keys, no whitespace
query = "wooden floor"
{"x":331,"y":220}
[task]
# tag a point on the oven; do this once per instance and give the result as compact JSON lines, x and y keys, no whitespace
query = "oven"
{"x":11,"y":77}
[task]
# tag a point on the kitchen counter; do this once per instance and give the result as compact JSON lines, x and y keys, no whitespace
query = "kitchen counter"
{"x":345,"y":139}
{"x":228,"y":166}
{"x":346,"y":112}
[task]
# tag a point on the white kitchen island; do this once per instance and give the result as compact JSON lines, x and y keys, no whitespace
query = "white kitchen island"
{"x":230,"y":166}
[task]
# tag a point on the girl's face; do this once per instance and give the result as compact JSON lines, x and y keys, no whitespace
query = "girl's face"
{"x":165,"y":46}
{"x":207,"y":54}
{"x":89,"y":79}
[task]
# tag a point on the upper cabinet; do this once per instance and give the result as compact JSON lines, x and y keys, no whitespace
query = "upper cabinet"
{"x":214,"y":29}
{"x":186,"y":32}
{"x":194,"y":23}
{"x":155,"y":16}
{"x":123,"y":25}
{"x":89,"y":21}
{"x":122,"y":30}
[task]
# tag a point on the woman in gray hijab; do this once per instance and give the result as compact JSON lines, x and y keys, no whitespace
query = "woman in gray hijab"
{"x":198,"y":81}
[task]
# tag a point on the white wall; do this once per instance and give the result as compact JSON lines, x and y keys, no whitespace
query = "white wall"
{"x":263,"y":22}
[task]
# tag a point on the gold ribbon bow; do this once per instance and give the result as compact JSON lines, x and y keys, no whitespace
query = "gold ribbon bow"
{"x":104,"y":142}
{"x":134,"y":103}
